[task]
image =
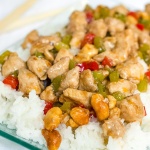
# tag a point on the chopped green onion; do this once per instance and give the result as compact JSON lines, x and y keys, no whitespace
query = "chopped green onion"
{"x":61,"y":45}
{"x":142,"y":86}
{"x":98,"y":76}
{"x":66,"y":39}
{"x":56,"y":83}
{"x":72,"y":64}
{"x":3,"y":56}
{"x":98,"y":43}
{"x":118,"y":96}
{"x":39,"y":55}
{"x":114,"y":76}
{"x":120,"y":16}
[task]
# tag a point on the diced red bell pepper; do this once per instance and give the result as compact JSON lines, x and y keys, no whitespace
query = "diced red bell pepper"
{"x":89,"y":16}
{"x":107,"y":61}
{"x":12,"y":81}
{"x":140,"y":26}
{"x":92,"y":65}
{"x":89,"y":38}
{"x":48,"y":106}
{"x":133,"y":14}
{"x":148,"y":75}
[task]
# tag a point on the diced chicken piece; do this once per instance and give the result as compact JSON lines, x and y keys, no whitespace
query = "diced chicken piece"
{"x":48,"y":94}
{"x":147,"y":9}
{"x":86,"y":53}
{"x":109,"y":43}
{"x":121,"y":51}
{"x":77,"y":37}
{"x":119,"y":9}
{"x":131,"y":70}
{"x":30,"y":38}
{"x":141,"y":36}
{"x":12,"y":64}
{"x":113,"y":127}
{"x":49,"y":39}
{"x":114,"y":112}
{"x":71,"y":79}
{"x":63,"y":53}
{"x":77,"y":22}
{"x":144,"y":37}
{"x":87,"y":81}
{"x":124,"y":86}
{"x":98,"y":27}
{"x":58,"y":68}
{"x":49,"y":55}
{"x":78,"y":96}
{"x":114,"y":25}
{"x":39,"y":66}
{"x":28,"y":82}
{"x":40,"y":47}
{"x":132,"y":108}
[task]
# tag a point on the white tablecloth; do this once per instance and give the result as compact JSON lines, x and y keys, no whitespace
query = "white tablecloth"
{"x":6,"y":39}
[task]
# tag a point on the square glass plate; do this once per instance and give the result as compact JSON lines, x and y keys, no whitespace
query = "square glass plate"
{"x":56,"y":24}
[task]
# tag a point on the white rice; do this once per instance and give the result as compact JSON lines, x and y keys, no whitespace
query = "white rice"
{"x":21,"y":113}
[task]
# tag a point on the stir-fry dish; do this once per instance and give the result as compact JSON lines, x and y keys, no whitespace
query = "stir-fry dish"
{"x":93,"y":70}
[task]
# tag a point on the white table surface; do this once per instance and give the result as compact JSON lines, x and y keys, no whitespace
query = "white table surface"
{"x":7,"y":39}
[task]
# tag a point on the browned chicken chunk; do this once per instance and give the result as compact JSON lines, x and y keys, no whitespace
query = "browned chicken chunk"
{"x":28,"y":81}
{"x":132,"y":108}
{"x":52,"y":40}
{"x":113,"y":127}
{"x":87,"y":81}
{"x":40,"y":47}
{"x":147,"y":8}
{"x":119,"y":9}
{"x":48,"y":94}
{"x":124,"y":86}
{"x":78,"y":96}
{"x":39,"y":66}
{"x":114,"y":25}
{"x":131,"y":70}
{"x":58,"y":68}
{"x":71,"y":79}
{"x":63,"y":53}
{"x":98,"y":27}
{"x":77,"y":22}
{"x":30,"y":38}
{"x":12,"y":64}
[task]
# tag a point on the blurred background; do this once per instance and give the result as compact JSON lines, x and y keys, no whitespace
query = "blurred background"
{"x":18,"y":17}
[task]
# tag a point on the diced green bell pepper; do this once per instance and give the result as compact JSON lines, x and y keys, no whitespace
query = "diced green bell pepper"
{"x":72,"y":64}
{"x":114,"y":76}
{"x":98,"y":43}
{"x":118,"y":96}
{"x":98,"y":76}
{"x":66,"y":39}
{"x":3,"y":56}
{"x":56,"y":83}
{"x":61,"y":45}
{"x":142,"y":86}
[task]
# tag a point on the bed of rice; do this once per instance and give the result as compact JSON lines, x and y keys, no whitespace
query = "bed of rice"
{"x":26,"y":116}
